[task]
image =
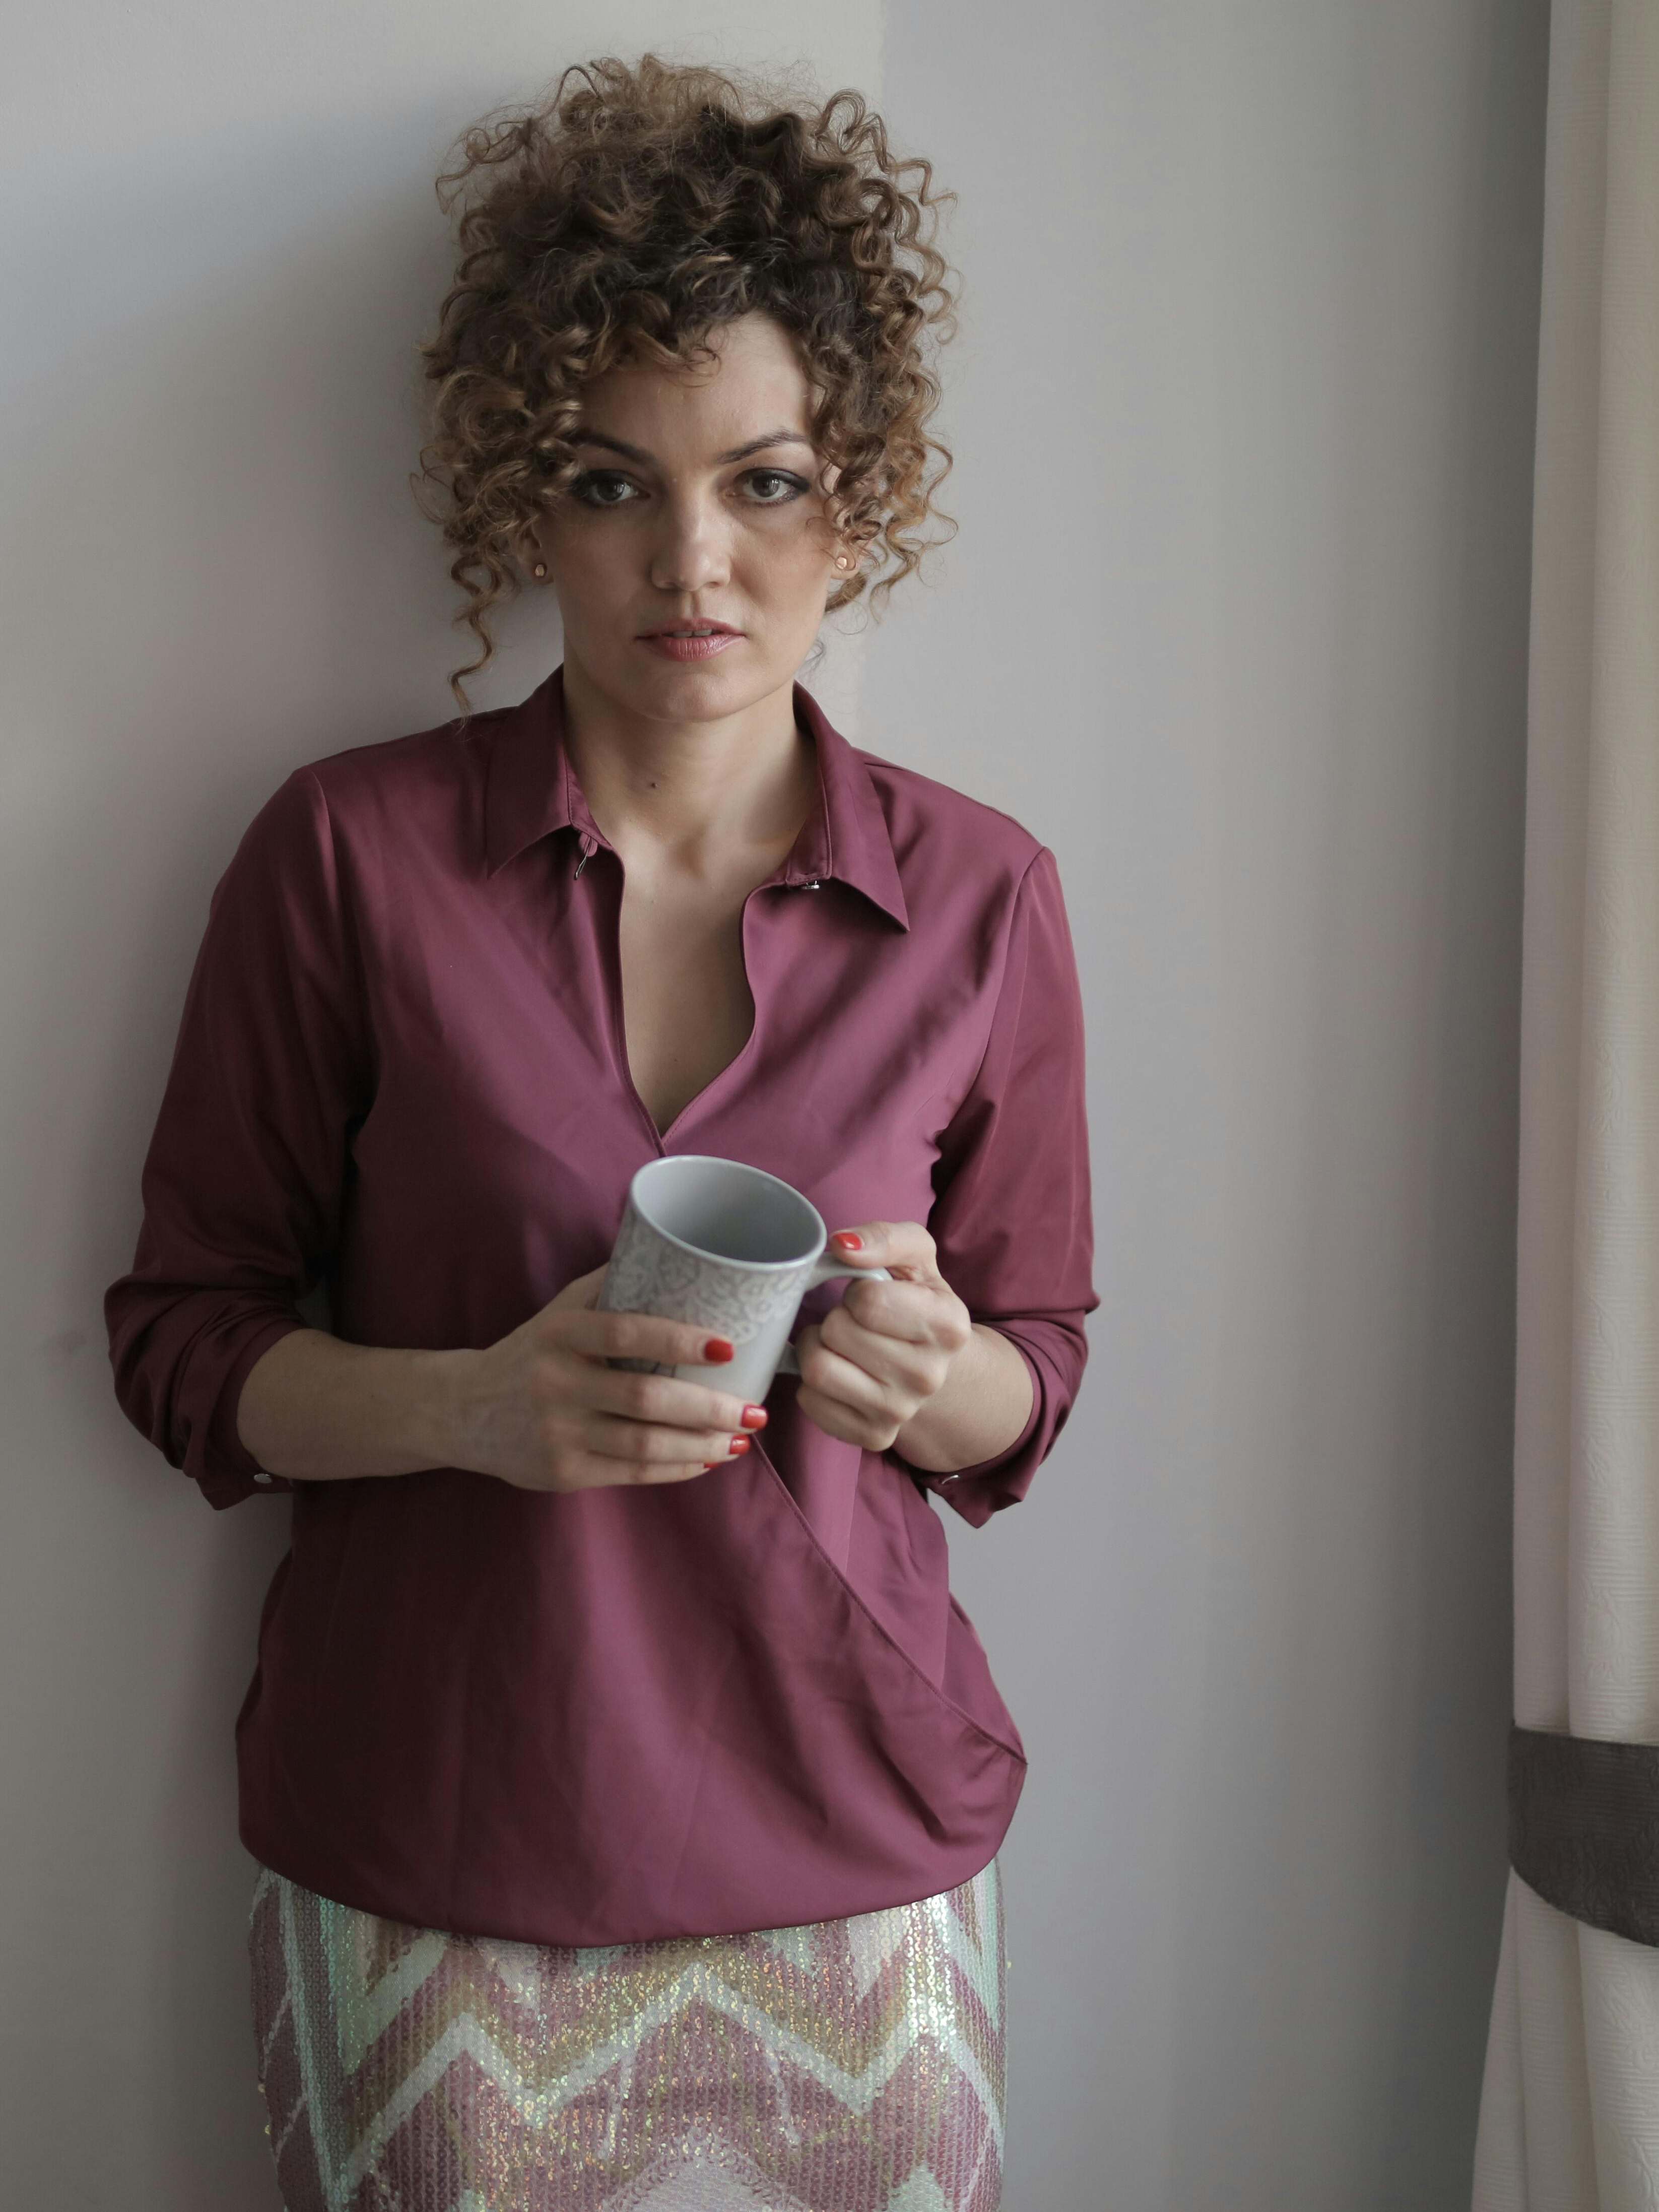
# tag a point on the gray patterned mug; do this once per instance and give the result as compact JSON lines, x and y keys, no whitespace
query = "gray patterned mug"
{"x":727,"y":1246}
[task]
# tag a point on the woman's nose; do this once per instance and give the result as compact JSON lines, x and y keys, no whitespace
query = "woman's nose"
{"x":691,"y":555}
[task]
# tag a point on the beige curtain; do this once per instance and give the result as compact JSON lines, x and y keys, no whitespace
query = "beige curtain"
{"x":1570,"y":2106}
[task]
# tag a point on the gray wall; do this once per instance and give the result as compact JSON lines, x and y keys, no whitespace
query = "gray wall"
{"x":1236,"y":621}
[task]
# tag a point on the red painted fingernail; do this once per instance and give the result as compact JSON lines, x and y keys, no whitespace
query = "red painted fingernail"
{"x":848,"y":1240}
{"x":719,"y":1348}
{"x":708,"y":1463}
{"x":739,"y":1444}
{"x":754,"y":1417}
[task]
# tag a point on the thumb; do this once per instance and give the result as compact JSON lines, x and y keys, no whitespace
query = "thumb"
{"x":582,"y":1289}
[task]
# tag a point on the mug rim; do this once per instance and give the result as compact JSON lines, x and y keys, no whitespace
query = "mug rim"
{"x":721,"y":1259}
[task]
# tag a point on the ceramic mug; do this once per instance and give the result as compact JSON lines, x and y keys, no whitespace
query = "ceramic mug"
{"x":729,"y":1247}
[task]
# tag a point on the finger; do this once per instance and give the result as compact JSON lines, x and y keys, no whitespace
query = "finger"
{"x":664,"y":1398}
{"x":595,"y":1470}
{"x":887,"y":1363}
{"x":600,"y":1335}
{"x":905,"y":1247}
{"x":870,"y":1316}
{"x":834,"y":1377}
{"x":870,"y":1431}
{"x":613,"y":1436}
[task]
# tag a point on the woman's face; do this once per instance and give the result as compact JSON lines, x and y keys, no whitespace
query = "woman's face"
{"x":696,"y":503}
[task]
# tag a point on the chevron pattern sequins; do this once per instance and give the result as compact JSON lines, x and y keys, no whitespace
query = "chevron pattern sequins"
{"x":851,"y":2065}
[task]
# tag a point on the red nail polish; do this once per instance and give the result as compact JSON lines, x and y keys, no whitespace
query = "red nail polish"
{"x":719,"y":1348}
{"x":754,"y":1417}
{"x":739,"y":1444}
{"x":848,"y":1240}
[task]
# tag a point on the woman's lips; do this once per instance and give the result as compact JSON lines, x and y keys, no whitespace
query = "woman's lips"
{"x":693,"y":648}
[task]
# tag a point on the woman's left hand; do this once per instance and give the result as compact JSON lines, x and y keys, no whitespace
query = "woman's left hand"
{"x":885,"y":1348}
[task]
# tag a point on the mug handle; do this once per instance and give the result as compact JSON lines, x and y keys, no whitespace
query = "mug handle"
{"x":826,"y":1271}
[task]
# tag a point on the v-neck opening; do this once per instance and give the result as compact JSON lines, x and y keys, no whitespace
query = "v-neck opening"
{"x":814,"y":834}
{"x":619,"y":1016}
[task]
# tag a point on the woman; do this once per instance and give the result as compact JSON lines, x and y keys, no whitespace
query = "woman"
{"x":625,"y":1782}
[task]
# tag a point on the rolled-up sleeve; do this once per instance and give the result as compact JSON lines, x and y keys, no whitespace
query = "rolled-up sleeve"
{"x":1011,"y":1219}
{"x":244,"y":1180}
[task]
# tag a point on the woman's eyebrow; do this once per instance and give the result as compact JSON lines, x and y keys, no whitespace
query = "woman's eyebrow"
{"x":723,"y":460}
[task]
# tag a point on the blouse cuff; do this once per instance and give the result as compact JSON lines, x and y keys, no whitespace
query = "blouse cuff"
{"x":976,"y":1506}
{"x":225,"y":1469}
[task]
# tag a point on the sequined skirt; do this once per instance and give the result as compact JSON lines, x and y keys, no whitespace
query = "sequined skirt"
{"x":851,"y":2065}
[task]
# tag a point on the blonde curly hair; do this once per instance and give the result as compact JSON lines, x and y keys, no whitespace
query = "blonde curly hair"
{"x":620,"y":222}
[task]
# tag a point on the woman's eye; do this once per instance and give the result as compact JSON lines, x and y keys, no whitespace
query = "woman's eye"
{"x":773,"y":487}
{"x":793,"y":486}
{"x":583,"y":487}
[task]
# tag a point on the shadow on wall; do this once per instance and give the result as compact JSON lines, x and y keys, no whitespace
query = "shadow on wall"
{"x":1423,"y":774}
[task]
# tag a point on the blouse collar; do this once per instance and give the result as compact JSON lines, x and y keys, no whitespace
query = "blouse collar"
{"x":846,"y":837}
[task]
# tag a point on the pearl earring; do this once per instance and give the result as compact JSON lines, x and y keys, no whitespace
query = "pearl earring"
{"x":539,"y":570}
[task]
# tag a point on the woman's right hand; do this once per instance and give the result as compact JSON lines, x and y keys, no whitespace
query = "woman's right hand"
{"x":541,"y":1409}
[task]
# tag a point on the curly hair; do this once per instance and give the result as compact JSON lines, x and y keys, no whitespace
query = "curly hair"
{"x":619,"y":223}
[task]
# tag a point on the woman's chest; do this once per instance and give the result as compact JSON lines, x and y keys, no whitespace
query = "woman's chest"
{"x":534,"y":1051}
{"x":688,"y":1010}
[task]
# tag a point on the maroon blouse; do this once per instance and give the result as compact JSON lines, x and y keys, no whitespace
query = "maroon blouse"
{"x":745,"y":1700}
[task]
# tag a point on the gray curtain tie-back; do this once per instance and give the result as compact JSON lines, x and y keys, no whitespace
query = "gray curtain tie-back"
{"x":1584,"y":1827}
